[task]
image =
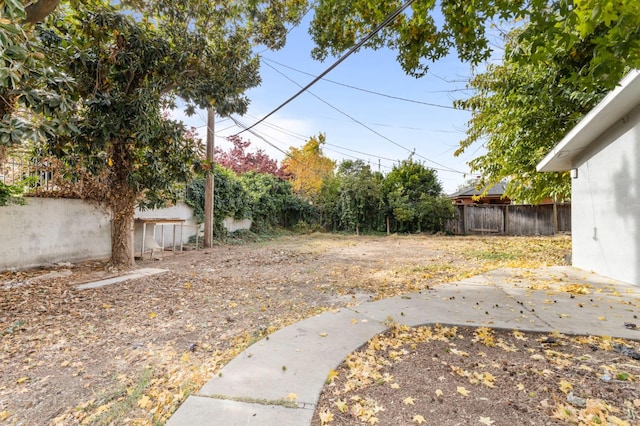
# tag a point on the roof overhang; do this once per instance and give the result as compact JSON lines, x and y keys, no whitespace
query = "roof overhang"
{"x":612,"y":108}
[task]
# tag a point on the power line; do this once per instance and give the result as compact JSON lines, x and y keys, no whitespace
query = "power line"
{"x":366,"y":38}
{"x":367,"y":90}
{"x":304,"y":138}
{"x":248,"y":129}
{"x":443,"y":167}
{"x":253,"y":132}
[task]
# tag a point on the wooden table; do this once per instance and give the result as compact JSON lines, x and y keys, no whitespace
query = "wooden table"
{"x":162,"y":222}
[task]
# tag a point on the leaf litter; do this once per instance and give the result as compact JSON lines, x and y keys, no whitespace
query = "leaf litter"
{"x":130,"y":353}
{"x":461,"y":375}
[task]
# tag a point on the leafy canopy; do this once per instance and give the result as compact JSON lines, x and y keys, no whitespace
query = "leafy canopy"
{"x":126,"y":62}
{"x":420,"y":36}
{"x":561,"y":56}
{"x":240,"y":160}
{"x":309,"y":167}
{"x":521,"y":109}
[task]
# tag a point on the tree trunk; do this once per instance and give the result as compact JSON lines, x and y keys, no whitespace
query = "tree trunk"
{"x":122,"y":256}
{"x":38,"y":11}
{"x":122,"y":201}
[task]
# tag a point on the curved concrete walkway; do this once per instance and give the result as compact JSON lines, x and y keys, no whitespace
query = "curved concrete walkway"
{"x":257,"y":386}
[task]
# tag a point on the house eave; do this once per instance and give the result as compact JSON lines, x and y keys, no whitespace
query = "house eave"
{"x":610,"y":110}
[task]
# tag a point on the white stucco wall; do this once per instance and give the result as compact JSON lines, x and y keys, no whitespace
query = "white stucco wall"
{"x":606,"y":203}
{"x":53,"y":230}
{"x":181,"y":211}
{"x":233,"y":225}
{"x":50,"y":230}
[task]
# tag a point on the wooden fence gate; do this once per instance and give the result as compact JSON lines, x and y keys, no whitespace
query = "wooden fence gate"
{"x":545,"y":219}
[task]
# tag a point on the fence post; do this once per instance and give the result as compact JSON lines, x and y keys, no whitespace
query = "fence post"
{"x":463,"y":220}
{"x":507,"y":228}
{"x":555,"y":218}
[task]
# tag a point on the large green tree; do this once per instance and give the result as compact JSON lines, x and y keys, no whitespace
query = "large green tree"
{"x":561,"y":56}
{"x":129,"y":61}
{"x":612,"y":26}
{"x":519,"y":112}
{"x":358,"y":195}
{"x":33,"y":101}
{"x":413,"y":195}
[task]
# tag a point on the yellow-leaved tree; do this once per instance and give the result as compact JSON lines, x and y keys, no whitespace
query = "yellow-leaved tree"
{"x":308,"y":167}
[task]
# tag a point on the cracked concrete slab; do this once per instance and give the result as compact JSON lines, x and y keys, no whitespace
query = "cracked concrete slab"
{"x":140,"y":273}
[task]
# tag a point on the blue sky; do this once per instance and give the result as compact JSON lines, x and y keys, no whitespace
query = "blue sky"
{"x":402,"y":126}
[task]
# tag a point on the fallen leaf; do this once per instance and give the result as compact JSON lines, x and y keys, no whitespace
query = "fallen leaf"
{"x":488,"y":380}
{"x":418,"y":419}
{"x":486,"y":421}
{"x":152,"y":315}
{"x":325,"y":417}
{"x":519,"y":335}
{"x":4,"y":415}
{"x":565,"y":386}
{"x":602,"y":318}
{"x":292,"y":396}
{"x":457,"y":352}
{"x":462,"y":391}
{"x":342,"y":405}
{"x":520,"y":387}
{"x":185,"y":357}
{"x":332,"y":375}
{"x":144,"y":402}
{"x":439,"y":393}
{"x":22,"y":380}
{"x":323,"y":334}
{"x":408,"y":401}
{"x":395,"y":386}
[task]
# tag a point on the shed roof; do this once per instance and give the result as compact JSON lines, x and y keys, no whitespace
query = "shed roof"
{"x":611,"y":108}
{"x":495,"y":191}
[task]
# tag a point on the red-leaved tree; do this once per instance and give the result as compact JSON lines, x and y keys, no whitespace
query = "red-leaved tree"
{"x":238,"y":159}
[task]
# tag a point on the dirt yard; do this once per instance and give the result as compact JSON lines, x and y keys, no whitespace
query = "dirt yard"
{"x":131,"y":352}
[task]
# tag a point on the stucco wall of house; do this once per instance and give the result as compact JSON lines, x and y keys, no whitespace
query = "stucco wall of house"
{"x":46,"y":231}
{"x":51,"y":230}
{"x":606,"y":203}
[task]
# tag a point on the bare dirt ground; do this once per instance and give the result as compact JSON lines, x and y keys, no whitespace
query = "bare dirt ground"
{"x":131,"y":352}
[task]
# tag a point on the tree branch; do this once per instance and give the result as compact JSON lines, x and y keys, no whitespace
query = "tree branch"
{"x":36,"y":12}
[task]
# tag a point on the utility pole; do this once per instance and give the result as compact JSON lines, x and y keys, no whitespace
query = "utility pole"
{"x":209,"y":184}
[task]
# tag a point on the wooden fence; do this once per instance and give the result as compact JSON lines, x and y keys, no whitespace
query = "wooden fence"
{"x":544,"y":219}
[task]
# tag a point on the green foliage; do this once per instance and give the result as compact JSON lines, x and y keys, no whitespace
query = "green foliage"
{"x":35,"y":98}
{"x":11,"y":194}
{"x":230,"y":198}
{"x":560,"y":58}
{"x":434,"y":212}
{"x":412,"y":195}
{"x":612,"y":26}
{"x":358,"y":196}
{"x":327,"y":203}
{"x":358,"y":199}
{"x":265,"y":199}
{"x":520,"y":111}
